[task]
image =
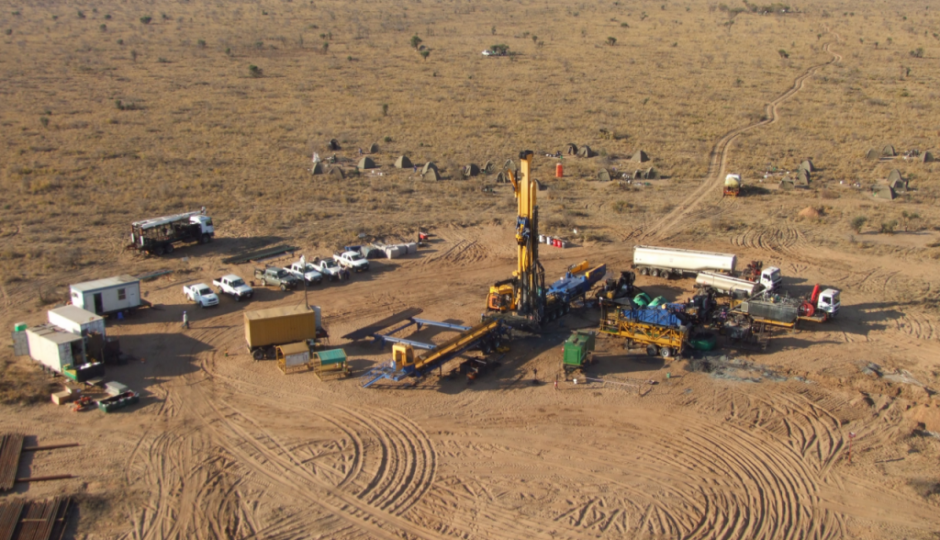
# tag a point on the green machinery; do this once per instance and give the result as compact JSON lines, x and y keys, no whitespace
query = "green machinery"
{"x":578,"y":351}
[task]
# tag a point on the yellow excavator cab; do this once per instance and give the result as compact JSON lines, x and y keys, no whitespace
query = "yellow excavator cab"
{"x":402,"y":355}
{"x":501,"y":298}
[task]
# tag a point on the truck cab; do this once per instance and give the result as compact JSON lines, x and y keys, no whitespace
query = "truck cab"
{"x":829,"y":302}
{"x":771,"y":278}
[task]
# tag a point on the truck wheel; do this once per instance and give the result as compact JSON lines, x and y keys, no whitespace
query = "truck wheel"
{"x":654,"y":272}
{"x":238,"y":298}
{"x":644,"y":271}
{"x":666,"y":352}
{"x":169,"y":249}
{"x":283,"y":287}
{"x":651,"y":350}
{"x":204,"y":239}
{"x":158,"y":251}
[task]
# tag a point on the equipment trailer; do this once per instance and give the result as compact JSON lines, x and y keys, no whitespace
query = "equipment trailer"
{"x":485,"y":336}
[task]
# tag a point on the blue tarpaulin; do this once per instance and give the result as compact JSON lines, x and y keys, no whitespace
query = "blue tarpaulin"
{"x":658,"y":317}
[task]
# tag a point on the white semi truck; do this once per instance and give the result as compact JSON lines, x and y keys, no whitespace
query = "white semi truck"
{"x":158,"y":235}
{"x":666,"y":262}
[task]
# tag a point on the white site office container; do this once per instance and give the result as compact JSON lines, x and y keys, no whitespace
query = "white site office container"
{"x":108,"y":295}
{"x":54,"y":347}
{"x":77,"y":320}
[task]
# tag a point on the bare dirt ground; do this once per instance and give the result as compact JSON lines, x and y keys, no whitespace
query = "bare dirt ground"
{"x":225,"y":447}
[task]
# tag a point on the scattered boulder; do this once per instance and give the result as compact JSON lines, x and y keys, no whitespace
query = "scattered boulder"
{"x":883,"y":191}
{"x":403,"y":163}
{"x":333,"y":144}
{"x":810,"y":213}
{"x":366,"y":163}
{"x":471,"y":170}
{"x":802,"y":177}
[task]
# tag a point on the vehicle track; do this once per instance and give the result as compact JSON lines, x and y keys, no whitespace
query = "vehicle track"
{"x":719,"y":157}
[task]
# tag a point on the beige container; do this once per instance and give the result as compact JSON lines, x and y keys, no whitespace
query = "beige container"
{"x":63,"y":397}
{"x":281,"y":325}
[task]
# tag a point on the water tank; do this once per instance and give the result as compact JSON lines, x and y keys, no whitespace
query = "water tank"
{"x":733,"y":181}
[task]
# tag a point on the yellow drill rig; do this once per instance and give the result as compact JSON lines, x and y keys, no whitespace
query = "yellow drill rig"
{"x":523,"y":295}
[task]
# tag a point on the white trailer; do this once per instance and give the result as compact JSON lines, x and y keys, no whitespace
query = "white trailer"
{"x":77,"y":320}
{"x":109,"y":295}
{"x":55,"y":348}
{"x":158,"y":235}
{"x":732,"y":286}
{"x":659,"y":261}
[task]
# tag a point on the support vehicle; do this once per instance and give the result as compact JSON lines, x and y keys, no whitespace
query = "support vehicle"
{"x":201,"y":294}
{"x":732,"y":185}
{"x":233,"y":286}
{"x":822,"y":305}
{"x":306,"y":272}
{"x":736,"y":288}
{"x":661,"y":331}
{"x":158,"y":235}
{"x":352,"y":260}
{"x":668,"y":262}
{"x":622,"y":287}
{"x":328,"y":268}
{"x":278,"y":277}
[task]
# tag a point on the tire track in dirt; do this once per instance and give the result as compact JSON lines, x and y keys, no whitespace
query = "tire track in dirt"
{"x":719,"y":156}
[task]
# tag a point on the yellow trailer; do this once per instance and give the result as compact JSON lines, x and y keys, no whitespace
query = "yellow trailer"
{"x":645,"y":328}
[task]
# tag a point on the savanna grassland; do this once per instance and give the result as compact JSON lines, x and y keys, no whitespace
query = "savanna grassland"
{"x":119,"y":111}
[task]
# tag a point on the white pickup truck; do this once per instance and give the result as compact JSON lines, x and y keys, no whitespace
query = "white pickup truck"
{"x":307,"y":273}
{"x":201,"y":294}
{"x":328,"y":267}
{"x":352,"y":260}
{"x":233,"y":286}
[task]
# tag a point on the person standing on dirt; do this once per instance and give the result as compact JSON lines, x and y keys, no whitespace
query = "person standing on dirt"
{"x":185,"y":321}
{"x":346,"y":274}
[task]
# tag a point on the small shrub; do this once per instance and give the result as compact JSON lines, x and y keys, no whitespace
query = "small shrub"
{"x":387,"y":139}
{"x":107,"y":17}
{"x":326,"y":46}
{"x":81,"y":15}
{"x":201,"y":44}
{"x":918,"y":53}
{"x":621,"y":206}
{"x":611,"y":41}
{"x":385,"y":110}
{"x":44,"y":120}
{"x":888,"y":227}
{"x":624,"y":25}
{"x":228,"y":51}
{"x":415,"y":41}
{"x":858,"y":223}
{"x":8,"y":31}
{"x":103,"y":27}
{"x":425,"y":53}
{"x":163,"y":60}
{"x":146,"y":19}
{"x":164,"y":16}
{"x":255,"y":71}
{"x":134,"y":55}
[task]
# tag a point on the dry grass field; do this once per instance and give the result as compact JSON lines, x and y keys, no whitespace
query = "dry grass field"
{"x":119,"y":111}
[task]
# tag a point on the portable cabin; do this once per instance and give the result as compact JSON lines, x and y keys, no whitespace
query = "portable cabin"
{"x":77,"y":320}
{"x":108,"y":295}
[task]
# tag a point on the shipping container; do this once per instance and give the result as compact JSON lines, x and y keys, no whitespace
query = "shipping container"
{"x":108,"y":295}
{"x":281,"y":325}
{"x":55,"y":348}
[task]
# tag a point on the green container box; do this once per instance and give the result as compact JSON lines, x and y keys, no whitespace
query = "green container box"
{"x":577,"y":349}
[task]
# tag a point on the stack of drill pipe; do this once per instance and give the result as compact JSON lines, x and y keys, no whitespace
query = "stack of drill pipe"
{"x":11,"y":445}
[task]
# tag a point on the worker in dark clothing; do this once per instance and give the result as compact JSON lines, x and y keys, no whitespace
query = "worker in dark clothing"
{"x":346,"y":274}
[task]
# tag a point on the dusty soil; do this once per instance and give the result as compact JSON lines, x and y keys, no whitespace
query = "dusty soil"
{"x":805,"y":440}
